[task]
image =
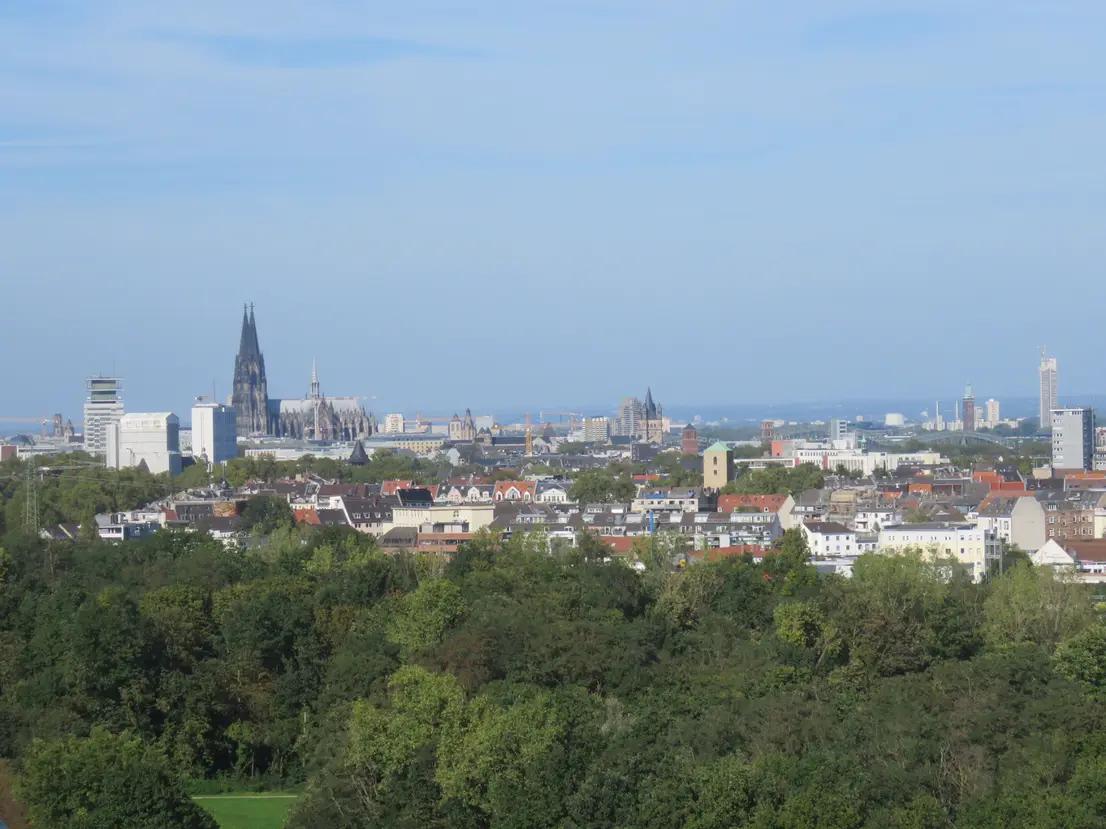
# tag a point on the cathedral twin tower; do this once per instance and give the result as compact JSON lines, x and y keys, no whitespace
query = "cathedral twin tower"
{"x":251,"y":389}
{"x":313,"y":417}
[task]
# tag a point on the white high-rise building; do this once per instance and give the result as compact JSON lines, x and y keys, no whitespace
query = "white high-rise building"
{"x":991,"y":413}
{"x":1049,"y":400}
{"x":393,"y":424}
{"x":631,"y":416}
{"x":152,"y":438}
{"x":214,"y":432}
{"x":103,"y":407}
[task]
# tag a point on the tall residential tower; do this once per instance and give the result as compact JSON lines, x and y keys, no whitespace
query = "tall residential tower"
{"x":1049,"y":400}
{"x":1072,"y":438}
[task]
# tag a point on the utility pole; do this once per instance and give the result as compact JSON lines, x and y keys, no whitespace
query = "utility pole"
{"x":30,"y":499}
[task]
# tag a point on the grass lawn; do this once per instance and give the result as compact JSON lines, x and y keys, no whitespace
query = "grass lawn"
{"x":248,"y":810}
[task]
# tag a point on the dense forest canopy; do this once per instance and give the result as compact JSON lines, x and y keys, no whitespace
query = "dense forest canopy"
{"x":514,"y":686}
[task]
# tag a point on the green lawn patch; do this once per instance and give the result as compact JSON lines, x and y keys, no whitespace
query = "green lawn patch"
{"x":248,"y":810}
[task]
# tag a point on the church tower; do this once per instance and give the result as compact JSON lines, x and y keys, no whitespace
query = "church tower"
{"x":251,"y":391}
{"x":654,"y":424}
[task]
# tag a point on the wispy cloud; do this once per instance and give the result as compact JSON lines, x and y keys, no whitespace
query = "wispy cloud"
{"x":878,"y":30}
{"x":312,"y":52}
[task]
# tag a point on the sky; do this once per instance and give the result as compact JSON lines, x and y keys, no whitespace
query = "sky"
{"x":488,"y":204}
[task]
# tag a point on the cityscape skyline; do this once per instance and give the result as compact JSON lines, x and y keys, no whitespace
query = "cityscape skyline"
{"x":377,"y":181}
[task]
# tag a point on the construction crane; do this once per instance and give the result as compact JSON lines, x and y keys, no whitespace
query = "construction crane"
{"x":573,"y":418}
{"x":420,"y":418}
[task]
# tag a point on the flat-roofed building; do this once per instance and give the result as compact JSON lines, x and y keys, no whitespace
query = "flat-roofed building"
{"x":103,"y":407}
{"x":145,"y":438}
{"x":214,"y":432}
{"x":973,"y":547}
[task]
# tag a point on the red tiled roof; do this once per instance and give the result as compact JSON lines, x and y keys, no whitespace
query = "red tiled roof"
{"x":307,"y":516}
{"x":390,"y":487}
{"x":502,"y":487}
{"x":762,"y":503}
{"x":620,"y":545}
{"x":1090,"y":550}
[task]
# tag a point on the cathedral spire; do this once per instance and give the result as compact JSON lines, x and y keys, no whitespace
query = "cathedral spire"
{"x":244,"y":342}
{"x":253,"y":332}
{"x":315,"y":390}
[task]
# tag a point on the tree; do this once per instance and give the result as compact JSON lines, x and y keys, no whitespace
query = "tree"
{"x":1082,"y":658}
{"x":777,"y":480}
{"x":898,"y":613}
{"x":514,"y":763}
{"x":423,"y":616}
{"x":264,"y":513}
{"x":599,"y":486}
{"x":105,"y":781}
{"x":1035,"y":605}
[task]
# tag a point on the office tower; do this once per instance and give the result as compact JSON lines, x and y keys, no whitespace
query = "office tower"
{"x":1049,"y":400}
{"x":250,"y":397}
{"x":103,"y":407}
{"x":992,"y":413}
{"x":150,"y":439}
{"x":1072,"y":438}
{"x":214,"y":431}
{"x":969,"y":409}
{"x":838,"y":429}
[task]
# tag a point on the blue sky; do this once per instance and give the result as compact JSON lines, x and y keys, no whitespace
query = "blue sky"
{"x":455,"y":203}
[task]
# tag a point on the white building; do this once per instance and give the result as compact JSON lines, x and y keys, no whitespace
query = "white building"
{"x":871,"y":519}
{"x":855,"y":460}
{"x":991,"y":417}
{"x":1017,"y":520}
{"x":828,"y":538}
{"x":674,"y":499}
{"x":1072,"y":438}
{"x":145,"y":437}
{"x":597,"y":430}
{"x":103,"y":407}
{"x":973,"y":547}
{"x":213,"y":432}
{"x":894,"y":419}
{"x":1048,"y":374}
{"x":393,"y":423}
